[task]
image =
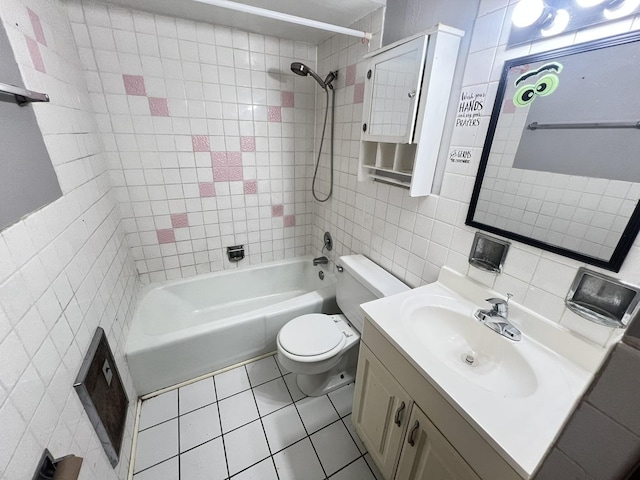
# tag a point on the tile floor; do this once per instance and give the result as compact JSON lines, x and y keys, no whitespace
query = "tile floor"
{"x":251,"y":422}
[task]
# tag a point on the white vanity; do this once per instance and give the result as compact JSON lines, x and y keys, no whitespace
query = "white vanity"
{"x":439,"y":395}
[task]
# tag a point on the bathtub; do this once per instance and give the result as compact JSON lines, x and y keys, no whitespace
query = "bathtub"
{"x":189,"y":327}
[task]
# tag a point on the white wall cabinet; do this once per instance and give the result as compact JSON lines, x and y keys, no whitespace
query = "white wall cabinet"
{"x":407,"y":90}
{"x":428,"y":439}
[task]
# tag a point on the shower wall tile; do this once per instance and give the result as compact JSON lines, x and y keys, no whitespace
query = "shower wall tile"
{"x":66,"y":268}
{"x":204,"y":121}
{"x":415,"y":237}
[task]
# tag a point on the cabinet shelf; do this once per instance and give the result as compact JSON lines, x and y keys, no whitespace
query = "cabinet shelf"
{"x":406,"y":98}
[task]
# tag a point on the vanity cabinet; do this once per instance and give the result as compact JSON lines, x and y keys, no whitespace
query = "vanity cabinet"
{"x":407,"y":90}
{"x":426,"y":439}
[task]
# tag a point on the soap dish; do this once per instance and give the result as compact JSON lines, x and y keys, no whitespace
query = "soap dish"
{"x":488,"y":253}
{"x":603,"y":299}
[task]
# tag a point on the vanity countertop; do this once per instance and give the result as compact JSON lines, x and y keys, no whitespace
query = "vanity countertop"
{"x":520,"y":393}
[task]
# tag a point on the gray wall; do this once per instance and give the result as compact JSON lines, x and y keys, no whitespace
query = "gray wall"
{"x":27,"y":179}
{"x":404,"y":18}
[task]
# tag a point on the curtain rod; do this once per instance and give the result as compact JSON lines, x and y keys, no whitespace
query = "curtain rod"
{"x":285,"y":17}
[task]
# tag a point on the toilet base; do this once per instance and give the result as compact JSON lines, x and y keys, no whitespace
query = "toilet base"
{"x":322,"y":383}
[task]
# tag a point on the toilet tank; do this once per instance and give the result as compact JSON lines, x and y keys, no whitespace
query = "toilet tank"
{"x":362,"y":281}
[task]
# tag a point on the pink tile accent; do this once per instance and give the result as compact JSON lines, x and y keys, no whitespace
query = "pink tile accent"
{"x":289,"y":220}
{"x":207,"y":189}
{"x":350,"y":77}
{"x":286,"y":99}
{"x":508,"y":106}
{"x":277,"y":210}
{"x":34,"y":52}
{"x":235,"y":159}
{"x":358,"y":92}
{"x":179,"y":220}
{"x":220,"y":174}
{"x":219,"y":159}
{"x":250,"y":186}
{"x":274,"y":114}
{"x":158,"y":107}
{"x":38,"y":32}
{"x":247,"y":144}
{"x":166,"y":235}
{"x":235,"y":173}
{"x":134,"y":85}
{"x":200,"y":143}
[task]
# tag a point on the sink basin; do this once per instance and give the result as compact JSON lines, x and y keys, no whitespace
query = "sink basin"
{"x":447,"y":329}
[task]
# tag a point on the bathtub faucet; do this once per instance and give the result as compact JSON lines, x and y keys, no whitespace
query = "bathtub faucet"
{"x":320,"y":261}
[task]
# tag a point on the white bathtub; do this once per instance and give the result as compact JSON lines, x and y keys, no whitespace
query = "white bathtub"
{"x":186,"y":328}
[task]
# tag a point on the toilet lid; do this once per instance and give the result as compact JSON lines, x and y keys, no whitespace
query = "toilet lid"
{"x":310,"y":335}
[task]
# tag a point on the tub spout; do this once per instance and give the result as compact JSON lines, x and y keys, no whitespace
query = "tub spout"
{"x":320,"y":261}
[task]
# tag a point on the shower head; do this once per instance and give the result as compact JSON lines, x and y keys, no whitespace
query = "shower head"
{"x":301,"y":69}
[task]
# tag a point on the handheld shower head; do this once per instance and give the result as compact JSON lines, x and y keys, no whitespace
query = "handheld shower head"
{"x":301,"y":69}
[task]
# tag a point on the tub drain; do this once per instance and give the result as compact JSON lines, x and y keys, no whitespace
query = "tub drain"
{"x":469,"y":359}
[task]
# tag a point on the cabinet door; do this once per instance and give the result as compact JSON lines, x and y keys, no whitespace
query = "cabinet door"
{"x":393,"y":93}
{"x":427,"y":455}
{"x":380,"y":411}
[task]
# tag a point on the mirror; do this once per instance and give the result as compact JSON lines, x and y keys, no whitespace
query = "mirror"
{"x":560,"y":167}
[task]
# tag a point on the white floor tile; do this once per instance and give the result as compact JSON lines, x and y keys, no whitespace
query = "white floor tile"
{"x":342,"y":399}
{"x":357,"y":470}
{"x":372,"y":466}
{"x":205,"y":462}
{"x":196,"y":395}
{"x":294,"y":390}
{"x":262,"y":371}
{"x":298,"y":462}
{"x":261,"y":471}
{"x":199,"y":426}
{"x":271,"y":396}
{"x":354,"y":434}
{"x":335,"y":447}
{"x":283,"y":370}
{"x":159,"y":409}
{"x":237,"y":410}
{"x":157,"y":444}
{"x":231,"y":382}
{"x":245,"y":446}
{"x":167,"y":470}
{"x":316,"y":412}
{"x":283,"y":428}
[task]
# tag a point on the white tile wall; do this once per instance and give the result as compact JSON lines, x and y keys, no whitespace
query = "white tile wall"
{"x":208,"y":135}
{"x":65,"y":269}
{"x":415,"y":237}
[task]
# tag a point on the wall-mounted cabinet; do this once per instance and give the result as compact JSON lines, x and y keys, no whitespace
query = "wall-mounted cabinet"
{"x":407,"y":90}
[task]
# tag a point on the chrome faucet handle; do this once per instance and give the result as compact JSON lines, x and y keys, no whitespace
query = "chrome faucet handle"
{"x":500,"y":306}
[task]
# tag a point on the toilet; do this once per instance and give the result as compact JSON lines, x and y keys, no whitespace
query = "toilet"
{"x":322,"y":350}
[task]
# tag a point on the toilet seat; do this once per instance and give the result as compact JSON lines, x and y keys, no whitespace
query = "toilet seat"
{"x":312,"y":337}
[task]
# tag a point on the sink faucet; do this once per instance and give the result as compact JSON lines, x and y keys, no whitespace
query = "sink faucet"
{"x":496,"y":318}
{"x":320,"y":261}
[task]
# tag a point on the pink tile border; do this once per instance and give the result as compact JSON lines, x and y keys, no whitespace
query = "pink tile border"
{"x":274,"y":114}
{"x":277,"y":210}
{"x":166,"y":235}
{"x":200,"y":143}
{"x":219,"y":159}
{"x":289,"y":220}
{"x":250,"y":186}
{"x":358,"y":92}
{"x":287,"y":99}
{"x":38,"y":32}
{"x":220,"y":174}
{"x":34,"y":52}
{"x":235,"y":174}
{"x":247,"y":144}
{"x":234,"y":159}
{"x":207,"y":189}
{"x":134,"y":85}
{"x":179,"y":220}
{"x":350,"y":77}
{"x":159,"y":107}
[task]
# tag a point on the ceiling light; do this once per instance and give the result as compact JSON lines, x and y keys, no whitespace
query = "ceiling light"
{"x":528,"y":12}
{"x":621,"y":9}
{"x":560,"y":22}
{"x":589,"y":3}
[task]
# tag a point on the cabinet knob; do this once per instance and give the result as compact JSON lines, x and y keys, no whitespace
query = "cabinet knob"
{"x":364,"y":127}
{"x":398,"y":417}
{"x":369,"y":75}
{"x":411,"y":438}
{"x":411,"y":94}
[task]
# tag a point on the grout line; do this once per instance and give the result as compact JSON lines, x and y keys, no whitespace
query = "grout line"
{"x":224,"y":447}
{"x":179,"y":447}
{"x":262,"y":424}
{"x":156,"y":464}
{"x":134,"y":440}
